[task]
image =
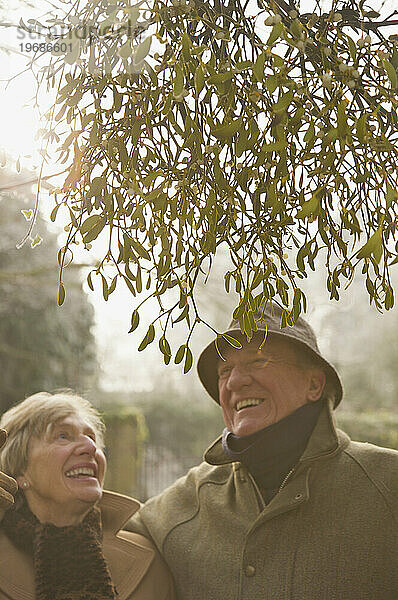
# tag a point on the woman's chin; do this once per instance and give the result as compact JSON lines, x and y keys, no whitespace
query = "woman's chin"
{"x":86,"y":491}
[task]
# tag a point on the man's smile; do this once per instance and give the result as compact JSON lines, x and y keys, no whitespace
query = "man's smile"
{"x":248,"y":402}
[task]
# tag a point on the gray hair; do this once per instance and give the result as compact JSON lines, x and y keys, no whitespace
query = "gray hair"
{"x":33,"y":416}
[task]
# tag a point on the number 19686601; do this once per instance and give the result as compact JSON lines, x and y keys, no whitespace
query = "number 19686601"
{"x":45,"y":47}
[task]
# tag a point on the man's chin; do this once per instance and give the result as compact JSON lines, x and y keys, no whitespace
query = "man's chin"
{"x":249,"y":422}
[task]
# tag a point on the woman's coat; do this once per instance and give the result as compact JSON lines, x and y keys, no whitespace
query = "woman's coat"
{"x":136,"y":568}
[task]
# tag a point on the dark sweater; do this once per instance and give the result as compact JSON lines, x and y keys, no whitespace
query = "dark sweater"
{"x":269,"y":454}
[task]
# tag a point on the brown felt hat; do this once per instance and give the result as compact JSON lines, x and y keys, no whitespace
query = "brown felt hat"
{"x":268,"y":321}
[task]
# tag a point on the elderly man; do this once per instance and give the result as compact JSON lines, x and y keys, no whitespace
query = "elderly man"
{"x":285,"y":507}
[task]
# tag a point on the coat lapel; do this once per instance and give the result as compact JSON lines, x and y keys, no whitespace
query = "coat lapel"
{"x":128,"y":555}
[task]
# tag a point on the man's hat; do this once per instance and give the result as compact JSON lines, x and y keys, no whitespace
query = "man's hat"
{"x":268,"y":321}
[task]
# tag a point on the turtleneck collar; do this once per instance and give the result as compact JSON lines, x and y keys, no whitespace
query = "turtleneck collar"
{"x":269,"y":454}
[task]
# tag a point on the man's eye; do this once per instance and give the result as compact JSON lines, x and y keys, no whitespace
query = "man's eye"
{"x":257,"y":362}
{"x":224,"y":372}
{"x":62,"y":435}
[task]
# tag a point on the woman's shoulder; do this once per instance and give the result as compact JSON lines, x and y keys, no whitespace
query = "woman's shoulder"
{"x":136,"y":567}
{"x":16,"y":571}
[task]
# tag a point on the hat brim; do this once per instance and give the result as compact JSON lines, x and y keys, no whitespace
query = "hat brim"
{"x":210,"y":357}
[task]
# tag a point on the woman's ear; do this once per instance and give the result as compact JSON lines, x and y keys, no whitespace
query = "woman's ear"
{"x":22,"y":482}
{"x":316,"y":384}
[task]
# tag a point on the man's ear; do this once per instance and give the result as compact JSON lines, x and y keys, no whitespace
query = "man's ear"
{"x":316,"y":384}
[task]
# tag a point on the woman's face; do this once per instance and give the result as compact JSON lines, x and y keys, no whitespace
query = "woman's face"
{"x":65,"y":472}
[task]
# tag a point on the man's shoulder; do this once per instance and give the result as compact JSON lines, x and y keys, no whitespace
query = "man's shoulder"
{"x":190,"y":484}
{"x":372,"y":455}
{"x":178,"y":503}
{"x":378,"y":464}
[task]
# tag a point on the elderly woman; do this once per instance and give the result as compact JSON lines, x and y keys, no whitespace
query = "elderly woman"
{"x":62,"y":538}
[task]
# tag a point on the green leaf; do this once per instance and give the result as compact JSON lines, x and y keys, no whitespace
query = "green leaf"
{"x":180,"y":354}
{"x":112,"y":287}
{"x":126,"y":50}
{"x":271,"y":83}
{"x":117,"y":100}
{"x":352,"y":46}
{"x":54,"y":211}
{"x":148,"y":339}
{"x":199,"y":80}
{"x":391,"y":195}
{"x":274,"y":146}
{"x":97,"y":185}
{"x":104,"y":287}
{"x":142,"y":50}
{"x":89,"y":223}
{"x":135,"y":320}
{"x":374,"y":246}
{"x":186,"y":45}
{"x":141,"y":251}
{"x":283,"y":102}
{"x":275,"y":34}
{"x":258,"y":67}
{"x":93,"y":226}
{"x":311,"y":206}
{"x":226,"y":132}
{"x":361,"y":128}
{"x":61,"y":293}
{"x":178,"y":81}
{"x":310,"y":133}
{"x":72,"y":56}
{"x":188,"y":361}
{"x":28,"y":214}
{"x":227,"y":280}
{"x":342,"y":126}
{"x":232,"y":341}
{"x":183,"y":314}
{"x":164,"y":347}
{"x":37,"y":241}
{"x":90,"y":281}
{"x":391,"y":72}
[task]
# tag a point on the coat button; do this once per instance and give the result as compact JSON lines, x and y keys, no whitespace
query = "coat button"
{"x":298,"y":496}
{"x":250,"y":570}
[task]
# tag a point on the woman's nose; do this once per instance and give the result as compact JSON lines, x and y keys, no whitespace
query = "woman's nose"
{"x":86,"y":445}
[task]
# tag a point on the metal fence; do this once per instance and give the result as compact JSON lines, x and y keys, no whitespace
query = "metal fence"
{"x":160,"y":468}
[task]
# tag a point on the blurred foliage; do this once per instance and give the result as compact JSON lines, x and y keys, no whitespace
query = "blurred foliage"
{"x":379,"y":428}
{"x":41,"y":346}
{"x":191,"y":125}
{"x":177,"y":422}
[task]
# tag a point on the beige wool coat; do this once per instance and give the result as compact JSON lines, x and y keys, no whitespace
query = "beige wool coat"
{"x":331,"y":532}
{"x":136,"y":568}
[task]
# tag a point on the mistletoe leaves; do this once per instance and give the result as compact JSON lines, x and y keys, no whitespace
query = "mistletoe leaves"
{"x":279,"y":147}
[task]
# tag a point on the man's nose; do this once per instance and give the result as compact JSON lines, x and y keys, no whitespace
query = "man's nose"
{"x":238,"y":377}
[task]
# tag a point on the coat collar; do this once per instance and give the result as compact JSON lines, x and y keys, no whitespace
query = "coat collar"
{"x":116,"y":510}
{"x":324,"y":441}
{"x":128,"y":555}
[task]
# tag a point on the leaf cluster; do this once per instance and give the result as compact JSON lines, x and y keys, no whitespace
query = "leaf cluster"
{"x":195,"y":124}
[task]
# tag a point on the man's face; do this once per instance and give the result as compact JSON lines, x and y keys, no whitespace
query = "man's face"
{"x":259,"y":388}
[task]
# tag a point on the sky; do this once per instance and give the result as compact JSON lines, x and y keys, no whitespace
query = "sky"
{"x":19,"y":122}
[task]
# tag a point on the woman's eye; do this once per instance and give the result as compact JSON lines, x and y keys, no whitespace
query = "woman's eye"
{"x":63,"y":436}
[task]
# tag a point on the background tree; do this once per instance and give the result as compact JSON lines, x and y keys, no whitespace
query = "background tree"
{"x":41,"y":346}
